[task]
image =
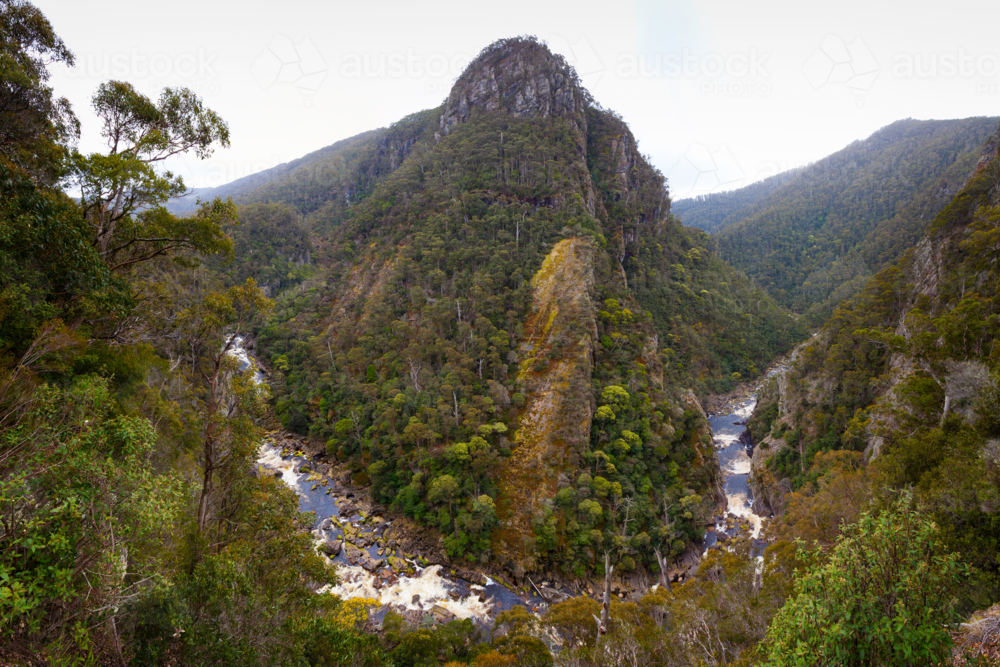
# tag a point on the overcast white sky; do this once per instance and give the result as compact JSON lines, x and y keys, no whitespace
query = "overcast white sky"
{"x":719,"y":94}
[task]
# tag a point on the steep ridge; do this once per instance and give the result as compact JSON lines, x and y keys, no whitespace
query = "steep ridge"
{"x":903,"y":376}
{"x":815,"y":236}
{"x":501,"y":337}
{"x":522,"y":82}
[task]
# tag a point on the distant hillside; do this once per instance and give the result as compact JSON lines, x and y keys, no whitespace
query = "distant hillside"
{"x":341,"y":173}
{"x":188,"y":204}
{"x":717,"y":211}
{"x":816,"y":238}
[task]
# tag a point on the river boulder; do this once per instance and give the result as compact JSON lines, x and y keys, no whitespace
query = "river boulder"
{"x":332,"y":547}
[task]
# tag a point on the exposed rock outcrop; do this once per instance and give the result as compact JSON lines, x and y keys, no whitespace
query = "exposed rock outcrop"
{"x":557,"y":359}
{"x":520,"y":77}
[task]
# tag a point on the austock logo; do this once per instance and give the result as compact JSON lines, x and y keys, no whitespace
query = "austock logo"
{"x":284,"y":61}
{"x":733,"y":74}
{"x":150,"y":72}
{"x":707,"y":170}
{"x":837,"y":62}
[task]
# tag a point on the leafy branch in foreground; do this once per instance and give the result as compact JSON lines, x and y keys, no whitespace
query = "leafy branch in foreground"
{"x":882,"y":597}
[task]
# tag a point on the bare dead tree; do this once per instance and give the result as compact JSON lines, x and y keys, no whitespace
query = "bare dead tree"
{"x":603,"y":621}
{"x":414,"y":372}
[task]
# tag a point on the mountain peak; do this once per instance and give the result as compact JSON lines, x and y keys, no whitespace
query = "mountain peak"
{"x":520,"y":76}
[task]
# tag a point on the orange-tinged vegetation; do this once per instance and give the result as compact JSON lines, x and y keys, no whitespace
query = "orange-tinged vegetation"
{"x":556,"y":423}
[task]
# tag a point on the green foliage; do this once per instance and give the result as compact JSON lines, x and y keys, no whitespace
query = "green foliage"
{"x":614,"y":394}
{"x":85,"y":515}
{"x":48,"y":267}
{"x":72,"y":259}
{"x":431,"y":646}
{"x":248,"y":601}
{"x":952,"y":473}
{"x":123,"y":192}
{"x":882,"y":597}
{"x":35,"y":127}
{"x":325,"y":645}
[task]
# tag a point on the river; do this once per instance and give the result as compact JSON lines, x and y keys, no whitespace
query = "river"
{"x":734,"y":451}
{"x":734,"y":460}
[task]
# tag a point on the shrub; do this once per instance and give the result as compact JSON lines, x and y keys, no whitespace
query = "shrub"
{"x":884,"y":597}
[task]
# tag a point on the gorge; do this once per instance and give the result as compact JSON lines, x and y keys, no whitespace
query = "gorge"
{"x":466,"y":391}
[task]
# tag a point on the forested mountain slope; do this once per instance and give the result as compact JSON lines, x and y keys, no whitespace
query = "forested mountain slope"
{"x":819,"y":237}
{"x":502,"y":335}
{"x":904,"y":376}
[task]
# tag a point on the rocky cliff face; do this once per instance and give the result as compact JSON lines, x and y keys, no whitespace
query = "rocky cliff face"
{"x":520,"y":77}
{"x":774,"y":414}
{"x":991,"y":149}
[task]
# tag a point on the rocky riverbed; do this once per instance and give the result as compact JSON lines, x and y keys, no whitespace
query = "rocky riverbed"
{"x":403,"y":565}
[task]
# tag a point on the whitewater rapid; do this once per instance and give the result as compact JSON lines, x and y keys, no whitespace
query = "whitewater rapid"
{"x":734,"y":460}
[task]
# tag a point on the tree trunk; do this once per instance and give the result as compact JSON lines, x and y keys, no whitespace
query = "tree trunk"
{"x":664,"y":579}
{"x":606,"y":607}
{"x":208,"y":449}
{"x":209,"y":440}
